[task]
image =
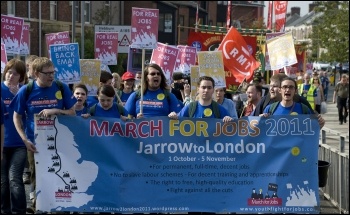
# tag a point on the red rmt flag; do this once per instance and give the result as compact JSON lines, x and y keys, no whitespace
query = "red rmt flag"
{"x":237,"y":57}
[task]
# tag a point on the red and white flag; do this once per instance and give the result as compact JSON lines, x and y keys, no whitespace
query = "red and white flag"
{"x":237,"y":59}
{"x":269,"y":15}
{"x":280,"y":15}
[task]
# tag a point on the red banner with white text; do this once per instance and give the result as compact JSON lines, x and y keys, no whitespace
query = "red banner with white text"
{"x":238,"y":61}
{"x":280,"y":15}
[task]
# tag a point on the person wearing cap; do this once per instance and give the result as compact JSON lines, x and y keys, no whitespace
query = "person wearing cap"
{"x":127,"y":87}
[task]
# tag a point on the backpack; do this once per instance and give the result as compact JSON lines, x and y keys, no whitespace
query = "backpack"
{"x":30,"y":84}
{"x":193,"y":106}
{"x":92,"y":110}
{"x":274,"y":105}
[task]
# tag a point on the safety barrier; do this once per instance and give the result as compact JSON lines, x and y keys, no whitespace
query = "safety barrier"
{"x":337,"y":187}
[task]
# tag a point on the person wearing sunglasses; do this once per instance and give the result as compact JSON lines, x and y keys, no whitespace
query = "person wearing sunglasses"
{"x":157,"y":98}
{"x":287,"y":106}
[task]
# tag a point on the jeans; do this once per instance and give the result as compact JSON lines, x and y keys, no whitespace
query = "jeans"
{"x":325,"y":92}
{"x":13,"y":196}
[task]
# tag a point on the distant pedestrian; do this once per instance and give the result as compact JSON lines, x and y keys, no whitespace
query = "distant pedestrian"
{"x":341,"y":95}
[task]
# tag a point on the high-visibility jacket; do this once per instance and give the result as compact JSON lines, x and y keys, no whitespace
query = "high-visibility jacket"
{"x":309,"y":95}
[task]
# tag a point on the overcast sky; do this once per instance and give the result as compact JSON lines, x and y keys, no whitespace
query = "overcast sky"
{"x":304,"y":7}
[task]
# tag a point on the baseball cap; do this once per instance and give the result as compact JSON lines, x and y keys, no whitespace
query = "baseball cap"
{"x":127,"y":76}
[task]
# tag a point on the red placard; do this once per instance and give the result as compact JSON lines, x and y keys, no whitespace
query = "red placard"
{"x":56,"y":38}
{"x":165,"y":56}
{"x":106,"y":47}
{"x":144,"y":28}
{"x":11,"y":33}
{"x":25,"y":46}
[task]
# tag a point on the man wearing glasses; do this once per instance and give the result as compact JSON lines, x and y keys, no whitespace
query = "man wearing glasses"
{"x":287,"y":106}
{"x":274,"y":95}
{"x":45,"y":99}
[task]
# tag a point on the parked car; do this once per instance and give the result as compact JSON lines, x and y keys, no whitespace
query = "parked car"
{"x":346,"y":67}
{"x":322,"y":66}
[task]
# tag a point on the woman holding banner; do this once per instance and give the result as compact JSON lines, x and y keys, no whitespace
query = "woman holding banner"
{"x":157,"y":98}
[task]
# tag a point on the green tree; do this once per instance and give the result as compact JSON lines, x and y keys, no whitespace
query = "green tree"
{"x":89,"y":39}
{"x":331,"y":31}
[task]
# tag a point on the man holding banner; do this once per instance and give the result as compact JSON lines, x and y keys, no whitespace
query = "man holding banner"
{"x":205,"y":107}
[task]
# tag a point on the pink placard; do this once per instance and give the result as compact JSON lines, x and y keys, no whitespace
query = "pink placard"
{"x":185,"y":59}
{"x":56,"y":38}
{"x":106,"y":47}
{"x":24,"y":50}
{"x":165,"y":56}
{"x":11,"y":33}
{"x":3,"y":57}
{"x":144,"y":28}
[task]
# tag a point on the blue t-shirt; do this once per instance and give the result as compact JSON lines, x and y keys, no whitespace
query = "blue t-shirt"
{"x":230,"y":106}
{"x":113,"y":112}
{"x":203,"y":111}
{"x":155,"y":103}
{"x":39,"y":99}
{"x":85,"y":110}
{"x":12,"y":138}
{"x":124,"y":97}
{"x":91,"y":100}
{"x":4,"y":113}
{"x":280,"y":110}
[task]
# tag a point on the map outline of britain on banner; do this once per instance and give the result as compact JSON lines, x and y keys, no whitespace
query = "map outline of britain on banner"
{"x":144,"y":28}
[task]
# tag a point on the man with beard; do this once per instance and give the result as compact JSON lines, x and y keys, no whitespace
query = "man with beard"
{"x":157,"y":99}
{"x":254,"y":93}
{"x":205,"y":107}
{"x":287,"y":106}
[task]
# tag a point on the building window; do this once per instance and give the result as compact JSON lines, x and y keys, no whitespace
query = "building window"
{"x":53,"y":10}
{"x":11,"y":7}
{"x":222,"y":2}
{"x":87,"y":12}
{"x":161,"y":22}
{"x":182,"y":22}
{"x":107,"y":8}
{"x":168,"y":23}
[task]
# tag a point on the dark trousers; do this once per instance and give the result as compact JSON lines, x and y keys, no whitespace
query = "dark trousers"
{"x":13,"y":195}
{"x":342,"y":111}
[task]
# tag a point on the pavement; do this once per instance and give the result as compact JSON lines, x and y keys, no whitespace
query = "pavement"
{"x":332,"y":124}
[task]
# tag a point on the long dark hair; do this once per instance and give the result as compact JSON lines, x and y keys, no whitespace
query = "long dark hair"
{"x":163,"y":84}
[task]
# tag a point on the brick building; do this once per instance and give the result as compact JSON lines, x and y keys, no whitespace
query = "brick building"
{"x":56,"y":16}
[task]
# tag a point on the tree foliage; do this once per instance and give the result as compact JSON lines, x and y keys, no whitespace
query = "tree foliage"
{"x":331,"y":31}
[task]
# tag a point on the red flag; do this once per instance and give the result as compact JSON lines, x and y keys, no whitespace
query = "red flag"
{"x":269,"y":15}
{"x":228,"y":15}
{"x":280,"y":15}
{"x":237,"y":58}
